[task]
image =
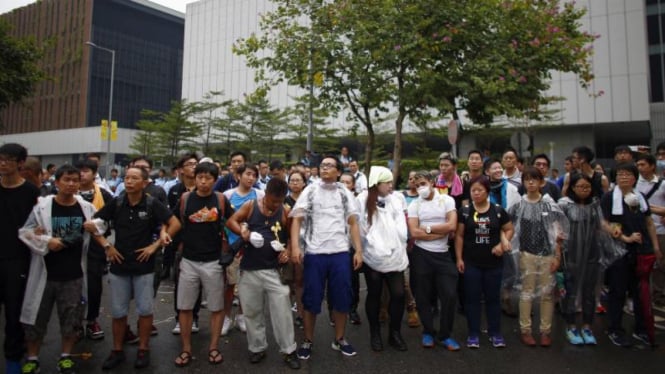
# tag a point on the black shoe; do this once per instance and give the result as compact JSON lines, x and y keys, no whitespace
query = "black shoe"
{"x":375,"y":341}
{"x":256,"y":357}
{"x":292,"y":360}
{"x":354,"y":317}
{"x":395,"y":340}
{"x":142,"y":359}
{"x":114,"y":359}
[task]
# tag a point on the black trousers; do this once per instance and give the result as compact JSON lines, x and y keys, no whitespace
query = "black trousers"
{"x":395,"y":282}
{"x":95,"y":273}
{"x":13,"y":277}
{"x":435,"y":273}
{"x":621,"y":278}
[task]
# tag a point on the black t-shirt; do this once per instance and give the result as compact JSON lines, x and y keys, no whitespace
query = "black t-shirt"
{"x":482,"y":231}
{"x":202,"y":227}
{"x":157,"y":192}
{"x":630,"y":221}
{"x":549,"y":188}
{"x":95,"y":250}
{"x":265,"y":257}
{"x":134,"y":229}
{"x":66,"y":224}
{"x":15,"y":207}
{"x":289,"y":201}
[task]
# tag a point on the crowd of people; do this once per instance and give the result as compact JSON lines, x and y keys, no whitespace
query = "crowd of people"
{"x":500,"y":234}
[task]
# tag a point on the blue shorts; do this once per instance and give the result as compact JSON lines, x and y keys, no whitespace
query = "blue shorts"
{"x":122,"y":289}
{"x":336,"y":270}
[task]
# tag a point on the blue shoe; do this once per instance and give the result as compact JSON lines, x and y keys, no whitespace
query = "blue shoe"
{"x":305,"y":350}
{"x":343,"y":346}
{"x":450,"y":344}
{"x":428,"y":341}
{"x":472,"y":342}
{"x":588,"y":337}
{"x":12,"y":367}
{"x":574,"y":337}
{"x":498,"y":341}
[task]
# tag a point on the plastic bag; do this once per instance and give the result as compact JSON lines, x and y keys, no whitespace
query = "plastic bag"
{"x":385,"y":241}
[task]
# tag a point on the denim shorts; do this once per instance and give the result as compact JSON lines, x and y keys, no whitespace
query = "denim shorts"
{"x":333,"y":270}
{"x":123,"y":287}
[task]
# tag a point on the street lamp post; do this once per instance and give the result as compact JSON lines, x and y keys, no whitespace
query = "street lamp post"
{"x":108,"y":127}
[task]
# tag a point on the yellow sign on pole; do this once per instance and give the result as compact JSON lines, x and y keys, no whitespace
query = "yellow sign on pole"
{"x":114,"y":130}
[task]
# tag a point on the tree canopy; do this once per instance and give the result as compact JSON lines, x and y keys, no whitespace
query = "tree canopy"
{"x":420,"y":59}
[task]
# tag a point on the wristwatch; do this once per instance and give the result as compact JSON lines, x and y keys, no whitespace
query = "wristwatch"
{"x":428,"y":229}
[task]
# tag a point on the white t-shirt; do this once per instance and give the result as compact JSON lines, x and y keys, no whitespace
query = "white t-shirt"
{"x":361,"y":182}
{"x":432,"y":212}
{"x":325,"y":217}
{"x":658,"y":198}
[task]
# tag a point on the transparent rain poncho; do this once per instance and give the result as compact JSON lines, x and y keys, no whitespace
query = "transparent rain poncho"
{"x":538,"y":227}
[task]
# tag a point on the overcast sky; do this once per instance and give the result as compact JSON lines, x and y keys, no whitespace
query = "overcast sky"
{"x":179,"y":5}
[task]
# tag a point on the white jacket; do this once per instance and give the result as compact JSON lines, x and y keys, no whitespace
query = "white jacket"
{"x":38,"y":245}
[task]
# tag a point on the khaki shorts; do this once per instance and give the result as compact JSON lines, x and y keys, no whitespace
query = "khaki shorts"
{"x":194,"y":274}
{"x":233,"y":271}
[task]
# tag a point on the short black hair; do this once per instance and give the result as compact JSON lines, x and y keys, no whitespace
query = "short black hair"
{"x":628,"y":166}
{"x":511,"y":149}
{"x":660,"y":146}
{"x":15,"y":150}
{"x":238,"y":153}
{"x":540,"y":155}
{"x":585,"y":152}
{"x":574,"y":178}
{"x":622,"y":148}
{"x":185,"y":157}
{"x":144,"y":173}
{"x":66,"y":169}
{"x":144,"y":158}
{"x":277,"y":187}
{"x":276,"y":165}
{"x":530,"y":172}
{"x":338,"y":164}
{"x":489,"y":162}
{"x":262,"y":161}
{"x":241,"y":169}
{"x":476,"y":151}
{"x":87,"y":163}
{"x":648,"y":157}
{"x":207,"y":168}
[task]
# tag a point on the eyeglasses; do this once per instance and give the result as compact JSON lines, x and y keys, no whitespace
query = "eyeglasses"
{"x":7,"y":159}
{"x":296,"y":181}
{"x":327,"y":165}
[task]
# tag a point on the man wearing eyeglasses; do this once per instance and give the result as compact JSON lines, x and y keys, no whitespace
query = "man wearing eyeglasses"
{"x":542,"y":163}
{"x":17,"y":197}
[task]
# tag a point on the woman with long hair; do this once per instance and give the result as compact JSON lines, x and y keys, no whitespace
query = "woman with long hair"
{"x":383,"y":225}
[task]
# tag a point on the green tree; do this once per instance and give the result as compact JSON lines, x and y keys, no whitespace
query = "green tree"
{"x":415,"y":57}
{"x":207,"y":113}
{"x":20,"y":67}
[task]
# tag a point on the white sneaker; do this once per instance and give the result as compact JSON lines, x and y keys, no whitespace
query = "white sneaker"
{"x":176,"y":329}
{"x":195,"y":326}
{"x":226,"y":327}
{"x":240,"y":322}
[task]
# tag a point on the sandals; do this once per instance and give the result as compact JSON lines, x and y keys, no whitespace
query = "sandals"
{"x":215,"y":357}
{"x":185,"y":359}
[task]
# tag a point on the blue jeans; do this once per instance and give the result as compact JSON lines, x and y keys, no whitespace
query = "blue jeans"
{"x":478,"y":282}
{"x":124,"y":286}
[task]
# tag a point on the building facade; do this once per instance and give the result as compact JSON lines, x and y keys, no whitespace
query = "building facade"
{"x":63,"y":119}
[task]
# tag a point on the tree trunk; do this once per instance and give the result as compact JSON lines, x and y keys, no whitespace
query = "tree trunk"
{"x":397,"y":150}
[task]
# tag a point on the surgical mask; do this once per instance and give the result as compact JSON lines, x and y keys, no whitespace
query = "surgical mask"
{"x":424,"y":191}
{"x":660,"y":167}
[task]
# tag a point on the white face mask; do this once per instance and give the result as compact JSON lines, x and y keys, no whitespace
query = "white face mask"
{"x":424,"y":191}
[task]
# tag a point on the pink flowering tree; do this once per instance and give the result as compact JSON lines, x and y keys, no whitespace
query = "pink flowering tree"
{"x":420,"y":59}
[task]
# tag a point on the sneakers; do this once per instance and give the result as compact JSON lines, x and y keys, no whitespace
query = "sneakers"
{"x":195,"y":326}
{"x":600,"y":309}
{"x":130,"y":338}
{"x":618,"y":339}
{"x":294,"y":307}
{"x":240,"y":323}
{"x":142,"y":359}
{"x":291,"y":360}
{"x":588,"y":337}
{"x":226,"y":326}
{"x":354,"y":318}
{"x":299,"y":322}
{"x":427,"y":341}
{"x":574,"y":336}
{"x":642,"y":338}
{"x":66,"y":365}
{"x":94,"y":331}
{"x":412,"y":319}
{"x":472,"y":342}
{"x":153,"y":330}
{"x":498,"y":341}
{"x":176,"y":329}
{"x":305,"y":350}
{"x":256,"y":357}
{"x":331,"y":321}
{"x":30,"y":367}
{"x":343,"y":346}
{"x":113,"y":360}
{"x":450,"y":344}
